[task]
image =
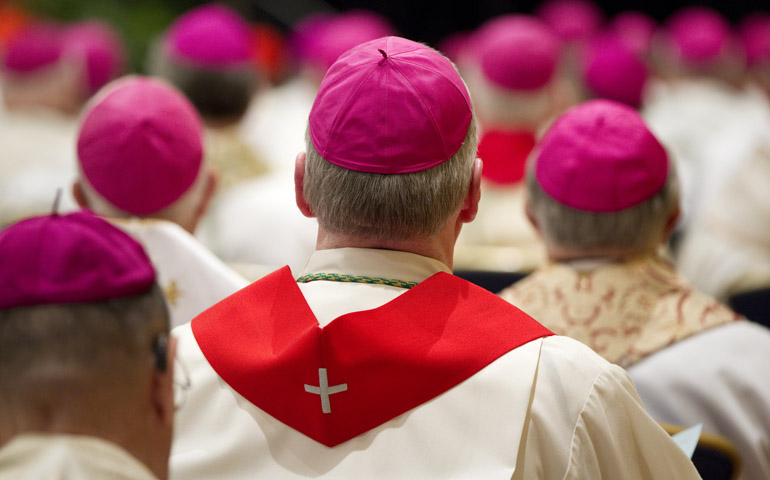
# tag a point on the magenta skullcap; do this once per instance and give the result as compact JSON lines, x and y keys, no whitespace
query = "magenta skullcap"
{"x":390,"y":105}
{"x":572,"y":20}
{"x":517,"y":52}
{"x":211,"y":35}
{"x":35,"y":46}
{"x":599,"y":156}
{"x":698,"y":34}
{"x":140,"y":144}
{"x":72,"y":258}
{"x":754,"y":34}
{"x":305,"y":34}
{"x":455,"y":46}
{"x":342,"y":32}
{"x":635,"y":30}
{"x":102,"y":49}
{"x":614,"y":72}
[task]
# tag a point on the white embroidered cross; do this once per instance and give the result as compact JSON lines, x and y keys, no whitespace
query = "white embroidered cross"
{"x":324,"y":390}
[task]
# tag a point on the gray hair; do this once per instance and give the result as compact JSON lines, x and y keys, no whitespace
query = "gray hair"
{"x":388,"y":207}
{"x":638,"y":226}
{"x":88,"y":341}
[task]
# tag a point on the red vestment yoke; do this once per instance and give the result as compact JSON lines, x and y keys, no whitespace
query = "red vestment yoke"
{"x":367,"y":367}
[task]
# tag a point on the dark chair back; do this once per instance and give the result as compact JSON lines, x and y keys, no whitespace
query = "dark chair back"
{"x":715,"y":457}
{"x":491,"y":280}
{"x":753,"y":304}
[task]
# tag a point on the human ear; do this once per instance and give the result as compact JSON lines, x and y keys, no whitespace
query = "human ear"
{"x":299,"y":186}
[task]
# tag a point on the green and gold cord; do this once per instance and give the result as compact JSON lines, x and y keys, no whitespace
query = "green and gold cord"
{"x":340,"y":277}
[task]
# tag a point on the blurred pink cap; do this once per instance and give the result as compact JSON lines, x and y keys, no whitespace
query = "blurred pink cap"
{"x":211,"y":35}
{"x":327,"y":37}
{"x":74,"y":258}
{"x":102,"y":49}
{"x":390,"y":105}
{"x":635,"y":30}
{"x":599,"y":156}
{"x":614,"y":72}
{"x":698,"y":34}
{"x":140,"y":144}
{"x":754,"y":34}
{"x":454,"y":46}
{"x":572,"y":20}
{"x":517,"y":52}
{"x":304,"y":35}
{"x":35,"y":46}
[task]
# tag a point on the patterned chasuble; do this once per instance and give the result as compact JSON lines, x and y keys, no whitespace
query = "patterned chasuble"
{"x":364,"y":368}
{"x":623,"y":311}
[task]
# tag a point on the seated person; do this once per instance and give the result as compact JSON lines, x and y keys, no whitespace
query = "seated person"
{"x":604,"y":195}
{"x":207,"y":54}
{"x":374,"y":361}
{"x":86,"y":362}
{"x":47,"y":72}
{"x":517,"y":89}
{"x":143,"y":168}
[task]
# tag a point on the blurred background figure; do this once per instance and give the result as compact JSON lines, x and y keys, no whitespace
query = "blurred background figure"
{"x":48,"y":71}
{"x":575,"y":22}
{"x":86,"y":362}
{"x":727,"y":249}
{"x":208,"y":54}
{"x":604,"y":195}
{"x":517,"y":90}
{"x":143,"y":168}
{"x":695,"y":104}
{"x":614,"y":71}
{"x":635,"y":30}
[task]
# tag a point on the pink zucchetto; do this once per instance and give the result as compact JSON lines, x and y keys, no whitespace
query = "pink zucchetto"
{"x":599,"y":156}
{"x":74,"y":258}
{"x":390,"y":106}
{"x":100,"y":47}
{"x":139,"y":144}
{"x":517,"y":52}
{"x":35,"y":46}
{"x":330,"y":36}
{"x":455,"y":46}
{"x":635,"y":30}
{"x":303,"y":38}
{"x":572,"y":20}
{"x":754,"y":34}
{"x":614,"y":72}
{"x":699,"y":35}
{"x":211,"y":36}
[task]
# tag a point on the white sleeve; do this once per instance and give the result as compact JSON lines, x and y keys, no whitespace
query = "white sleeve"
{"x":587,"y":421}
{"x":615,"y":438}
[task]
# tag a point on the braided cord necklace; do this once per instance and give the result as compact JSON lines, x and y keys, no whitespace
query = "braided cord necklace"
{"x":341,"y":277}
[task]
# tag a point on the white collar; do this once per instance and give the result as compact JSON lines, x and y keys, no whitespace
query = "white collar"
{"x":373,"y":262}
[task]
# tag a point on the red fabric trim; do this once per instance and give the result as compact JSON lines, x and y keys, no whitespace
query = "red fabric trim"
{"x":265,"y":342}
{"x":505,"y":155}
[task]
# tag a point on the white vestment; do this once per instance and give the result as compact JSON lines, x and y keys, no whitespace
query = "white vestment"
{"x":584,"y":418}
{"x":719,"y":378}
{"x":37,"y":157}
{"x":257,"y":222}
{"x":710,"y":129}
{"x":68,"y":457}
{"x":192,"y":278}
{"x":728,"y":248}
{"x":275,"y":122}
